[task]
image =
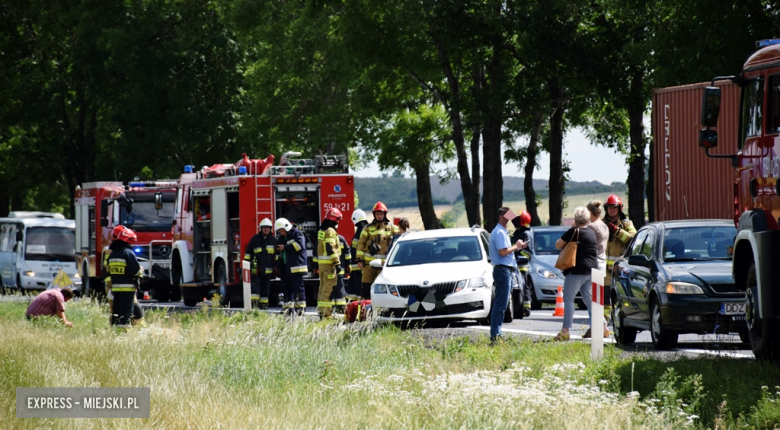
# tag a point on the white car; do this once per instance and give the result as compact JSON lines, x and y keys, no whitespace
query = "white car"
{"x":436,"y":275}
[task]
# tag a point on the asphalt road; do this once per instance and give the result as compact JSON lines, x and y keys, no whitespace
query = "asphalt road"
{"x":542,"y":325}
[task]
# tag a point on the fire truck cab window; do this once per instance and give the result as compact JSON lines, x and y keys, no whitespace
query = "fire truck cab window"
{"x":773,"y":126}
{"x":752,"y":108}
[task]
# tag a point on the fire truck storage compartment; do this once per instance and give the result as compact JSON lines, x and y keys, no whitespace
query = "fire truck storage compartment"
{"x":202,"y":234}
{"x":300,"y":204}
{"x":234,"y":234}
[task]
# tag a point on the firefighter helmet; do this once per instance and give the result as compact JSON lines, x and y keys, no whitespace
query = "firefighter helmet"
{"x":282,"y":223}
{"x":358,"y":216}
{"x":380,"y":207}
{"x":116,"y":231}
{"x":266,"y":223}
{"x":124,"y":234}
{"x":525,"y":219}
{"x":333,"y":214}
{"x":614,"y":200}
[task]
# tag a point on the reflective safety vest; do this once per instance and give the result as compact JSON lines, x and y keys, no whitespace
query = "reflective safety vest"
{"x":380,"y":234}
{"x":524,"y":234}
{"x":260,"y":253}
{"x":124,"y":269}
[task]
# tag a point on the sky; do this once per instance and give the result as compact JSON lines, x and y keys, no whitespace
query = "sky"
{"x":587,"y":162}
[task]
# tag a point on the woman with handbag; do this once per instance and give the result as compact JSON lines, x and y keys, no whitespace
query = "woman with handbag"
{"x":581,"y":241}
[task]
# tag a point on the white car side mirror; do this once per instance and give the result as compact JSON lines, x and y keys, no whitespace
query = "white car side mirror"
{"x":376,"y":264}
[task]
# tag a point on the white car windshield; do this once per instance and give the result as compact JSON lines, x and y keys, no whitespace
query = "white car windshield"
{"x":436,"y":250}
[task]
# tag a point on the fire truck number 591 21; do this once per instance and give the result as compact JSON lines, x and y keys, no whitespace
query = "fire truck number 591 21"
{"x":756,"y":191}
{"x":340,"y":206}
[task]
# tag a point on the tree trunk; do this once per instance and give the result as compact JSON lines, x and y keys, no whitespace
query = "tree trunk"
{"x":425,"y":197}
{"x":556,"y":153}
{"x":5,"y":202}
{"x":493,"y":191}
{"x":476,"y":175}
{"x":454,"y":111}
{"x":636,"y":166}
{"x":530,"y":166}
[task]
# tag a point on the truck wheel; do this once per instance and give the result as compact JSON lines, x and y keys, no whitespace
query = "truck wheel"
{"x":623,"y":335}
{"x":662,"y":338}
{"x":762,"y":331}
{"x":536,"y":305}
{"x":22,"y":291}
{"x":176,"y":279}
{"x":191,"y":296}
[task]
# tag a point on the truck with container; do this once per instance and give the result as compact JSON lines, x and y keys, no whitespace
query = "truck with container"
{"x":144,"y":206}
{"x":34,"y":248}
{"x":218,"y":208}
{"x":755,"y":203}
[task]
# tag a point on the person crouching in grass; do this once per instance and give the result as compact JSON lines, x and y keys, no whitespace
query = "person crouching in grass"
{"x":51,"y":303}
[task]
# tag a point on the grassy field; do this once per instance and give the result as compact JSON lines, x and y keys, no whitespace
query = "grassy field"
{"x":254,"y":370}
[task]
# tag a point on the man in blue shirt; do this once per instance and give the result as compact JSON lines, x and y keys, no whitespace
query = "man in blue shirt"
{"x":504,"y":267}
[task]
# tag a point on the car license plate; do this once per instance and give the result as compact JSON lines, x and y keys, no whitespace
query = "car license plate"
{"x":732,"y":308}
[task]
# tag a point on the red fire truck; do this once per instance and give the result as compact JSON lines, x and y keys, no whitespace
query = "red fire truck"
{"x":756,"y":203}
{"x":147,"y":208}
{"x":219,"y":208}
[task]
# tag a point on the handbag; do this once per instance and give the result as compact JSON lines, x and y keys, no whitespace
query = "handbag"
{"x":568,"y":256}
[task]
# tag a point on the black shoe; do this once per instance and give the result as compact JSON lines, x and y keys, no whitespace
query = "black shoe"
{"x":526,"y":312}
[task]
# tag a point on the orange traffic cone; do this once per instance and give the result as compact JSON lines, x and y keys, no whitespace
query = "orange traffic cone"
{"x":146,"y":295}
{"x":558,"y":303}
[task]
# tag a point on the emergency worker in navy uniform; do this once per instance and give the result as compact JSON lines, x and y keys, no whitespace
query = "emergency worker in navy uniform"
{"x":522,"y":232}
{"x":260,"y":252}
{"x":293,"y":254}
{"x":356,"y":276}
{"x":138,"y":312}
{"x":125,"y":271}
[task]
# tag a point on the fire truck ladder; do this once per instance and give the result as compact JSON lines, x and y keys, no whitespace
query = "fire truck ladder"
{"x":264,"y":202}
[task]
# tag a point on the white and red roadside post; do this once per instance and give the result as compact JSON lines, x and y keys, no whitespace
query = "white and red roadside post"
{"x":597,"y":314}
{"x":247,"y":278}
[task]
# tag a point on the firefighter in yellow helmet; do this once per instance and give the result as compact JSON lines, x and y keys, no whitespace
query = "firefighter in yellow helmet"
{"x":329,"y":261}
{"x":373,"y":245}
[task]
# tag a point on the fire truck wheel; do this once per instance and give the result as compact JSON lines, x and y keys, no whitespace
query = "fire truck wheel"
{"x":191,"y":297}
{"x":762,"y":331}
{"x":176,"y":278}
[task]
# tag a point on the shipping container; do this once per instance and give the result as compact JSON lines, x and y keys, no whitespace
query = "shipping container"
{"x":686,"y":183}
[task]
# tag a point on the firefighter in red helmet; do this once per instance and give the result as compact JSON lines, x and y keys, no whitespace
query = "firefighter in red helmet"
{"x":522,"y":232}
{"x":621,"y":231}
{"x":138,"y":312}
{"x":329,"y":261}
{"x":374,"y":242}
{"x":124,"y":270}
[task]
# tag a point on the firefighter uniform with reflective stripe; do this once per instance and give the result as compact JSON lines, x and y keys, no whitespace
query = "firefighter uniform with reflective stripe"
{"x":380,"y":234}
{"x":328,"y":258}
{"x":296,"y":265}
{"x":617,"y":243}
{"x":356,"y":276}
{"x":124,"y":271}
{"x":340,"y":292}
{"x":260,"y":253}
{"x":138,"y":312}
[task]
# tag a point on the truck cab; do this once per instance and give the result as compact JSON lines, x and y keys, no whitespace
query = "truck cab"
{"x":756,"y":199}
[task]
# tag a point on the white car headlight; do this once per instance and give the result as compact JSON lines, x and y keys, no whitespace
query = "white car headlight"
{"x":392,"y":289}
{"x":476,"y":282}
{"x":30,"y":273}
{"x":380,"y":289}
{"x":461,"y":285}
{"x":683,"y":288}
{"x":546,"y":273}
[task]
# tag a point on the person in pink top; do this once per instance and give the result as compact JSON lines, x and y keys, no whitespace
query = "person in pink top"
{"x":51,"y":303}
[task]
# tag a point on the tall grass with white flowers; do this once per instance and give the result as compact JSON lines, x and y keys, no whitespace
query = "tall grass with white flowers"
{"x":210,"y":370}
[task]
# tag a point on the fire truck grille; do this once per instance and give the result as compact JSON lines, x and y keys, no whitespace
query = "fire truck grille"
{"x":159,"y":251}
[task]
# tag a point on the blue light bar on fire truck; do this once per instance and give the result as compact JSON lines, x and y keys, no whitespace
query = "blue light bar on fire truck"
{"x":142,"y":184}
{"x":767,"y":42}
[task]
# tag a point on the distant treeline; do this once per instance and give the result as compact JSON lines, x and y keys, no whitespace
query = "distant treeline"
{"x":402,"y":192}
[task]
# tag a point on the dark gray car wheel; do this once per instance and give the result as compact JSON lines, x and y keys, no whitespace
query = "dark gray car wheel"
{"x":623,"y":335}
{"x":535,"y":303}
{"x":662,"y":337}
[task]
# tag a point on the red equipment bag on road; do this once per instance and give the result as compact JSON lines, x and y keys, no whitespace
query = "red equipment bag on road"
{"x":358,"y":310}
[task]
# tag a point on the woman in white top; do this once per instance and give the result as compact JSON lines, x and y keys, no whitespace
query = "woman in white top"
{"x":602,"y":235}
{"x":601,"y":230}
